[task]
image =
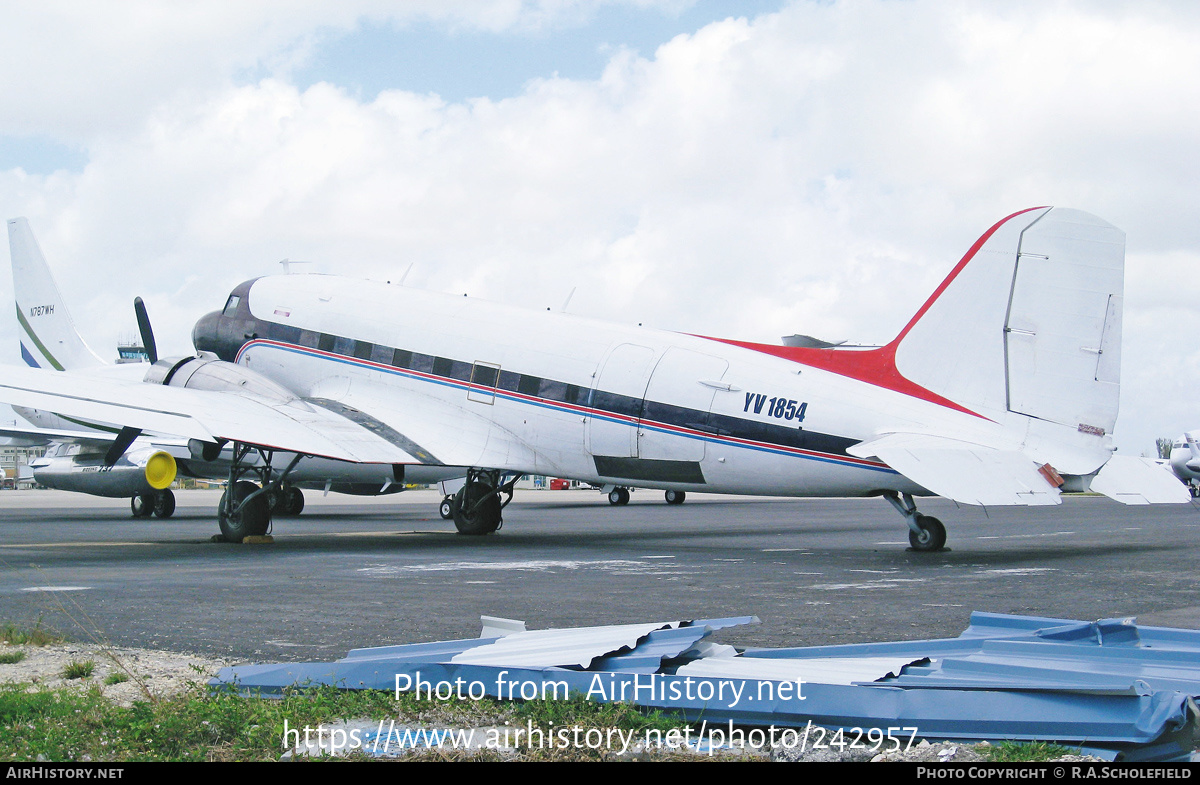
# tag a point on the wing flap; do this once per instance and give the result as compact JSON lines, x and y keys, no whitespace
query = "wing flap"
{"x":1132,"y":480}
{"x":206,"y":415}
{"x":963,"y":471}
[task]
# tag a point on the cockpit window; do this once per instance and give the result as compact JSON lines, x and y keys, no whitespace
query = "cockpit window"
{"x":231,"y":305}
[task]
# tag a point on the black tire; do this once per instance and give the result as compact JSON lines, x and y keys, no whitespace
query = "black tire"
{"x":164,"y":503}
{"x":675,"y":497}
{"x":472,"y":517}
{"x":253,"y":520}
{"x":141,"y":505}
{"x":446,"y":508}
{"x":932,"y":536}
{"x":295,"y":501}
{"x":618,"y":496}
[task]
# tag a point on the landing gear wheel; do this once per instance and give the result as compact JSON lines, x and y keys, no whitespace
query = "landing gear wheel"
{"x":675,"y":497}
{"x":295,"y":501}
{"x":618,"y":496}
{"x":932,"y":536}
{"x":142,"y":505}
{"x":288,"y":501}
{"x":164,"y":504}
{"x":251,"y":520}
{"x":476,"y":509}
{"x":446,"y":508}
{"x":1195,"y":491}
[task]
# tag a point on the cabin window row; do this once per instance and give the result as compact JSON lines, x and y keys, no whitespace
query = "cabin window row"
{"x":485,"y":375}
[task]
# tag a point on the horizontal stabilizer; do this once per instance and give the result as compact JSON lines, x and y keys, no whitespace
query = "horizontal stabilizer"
{"x":1132,"y":480}
{"x":962,"y":471}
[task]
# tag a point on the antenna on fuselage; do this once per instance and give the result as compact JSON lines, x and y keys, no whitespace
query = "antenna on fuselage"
{"x":287,"y":265}
{"x":406,"y":272}
{"x":567,"y":301}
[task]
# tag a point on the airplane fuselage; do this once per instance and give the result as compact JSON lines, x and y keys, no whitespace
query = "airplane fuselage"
{"x":593,"y":401}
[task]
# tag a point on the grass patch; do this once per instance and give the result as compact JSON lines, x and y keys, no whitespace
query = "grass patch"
{"x":79,"y":670}
{"x":11,"y":657}
{"x":17,"y":635}
{"x":67,"y":724}
{"x":116,"y":678}
{"x":1023,"y":751}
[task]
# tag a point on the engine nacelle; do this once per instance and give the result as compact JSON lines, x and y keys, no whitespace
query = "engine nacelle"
{"x":206,"y":372}
{"x":142,"y":470}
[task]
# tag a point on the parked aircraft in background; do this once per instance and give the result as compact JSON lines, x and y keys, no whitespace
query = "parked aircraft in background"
{"x":1185,"y":460}
{"x":80,"y":453}
{"x":1002,"y":389}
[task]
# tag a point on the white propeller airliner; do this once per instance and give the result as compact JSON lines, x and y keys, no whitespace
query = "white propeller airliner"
{"x":1002,"y":389}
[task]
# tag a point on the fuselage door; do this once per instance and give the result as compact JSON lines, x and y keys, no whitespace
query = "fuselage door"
{"x":675,"y":413}
{"x":616,"y":401}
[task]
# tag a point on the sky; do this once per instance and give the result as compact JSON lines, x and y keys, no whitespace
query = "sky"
{"x":742,"y":169}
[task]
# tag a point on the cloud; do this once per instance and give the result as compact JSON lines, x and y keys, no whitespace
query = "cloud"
{"x":817,"y":170}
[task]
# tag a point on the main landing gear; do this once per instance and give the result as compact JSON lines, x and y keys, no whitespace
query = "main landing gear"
{"x":925,"y":533}
{"x":476,"y":508}
{"x":147,"y":503}
{"x":245,"y":508}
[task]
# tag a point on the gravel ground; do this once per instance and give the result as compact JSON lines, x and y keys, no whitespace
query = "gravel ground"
{"x":150,"y":673}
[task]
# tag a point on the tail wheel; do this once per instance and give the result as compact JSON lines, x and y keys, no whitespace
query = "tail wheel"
{"x":164,"y":504}
{"x":254,"y":517}
{"x":932,"y":536}
{"x":476,"y":509}
{"x":675,"y":497}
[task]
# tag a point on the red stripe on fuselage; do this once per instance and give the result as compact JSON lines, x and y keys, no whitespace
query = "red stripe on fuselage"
{"x":878,"y":366}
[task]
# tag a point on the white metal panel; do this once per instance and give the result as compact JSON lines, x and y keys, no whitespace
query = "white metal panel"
{"x":559,"y":648}
{"x":965,"y":472}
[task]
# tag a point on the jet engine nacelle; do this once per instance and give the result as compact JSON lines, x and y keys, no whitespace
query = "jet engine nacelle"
{"x":143,"y":470}
{"x":206,"y":372}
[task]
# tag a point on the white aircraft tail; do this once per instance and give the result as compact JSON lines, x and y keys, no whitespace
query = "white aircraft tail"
{"x":48,"y":335}
{"x":1026,"y":331}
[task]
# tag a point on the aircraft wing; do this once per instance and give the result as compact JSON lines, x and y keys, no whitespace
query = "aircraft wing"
{"x":206,"y":415}
{"x":438,"y":432}
{"x":39,"y":437}
{"x":963,"y":471}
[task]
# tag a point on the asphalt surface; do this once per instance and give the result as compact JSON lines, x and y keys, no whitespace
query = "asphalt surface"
{"x":362,"y":572}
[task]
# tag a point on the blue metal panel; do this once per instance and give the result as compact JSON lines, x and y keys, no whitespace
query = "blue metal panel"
{"x":1116,"y":687}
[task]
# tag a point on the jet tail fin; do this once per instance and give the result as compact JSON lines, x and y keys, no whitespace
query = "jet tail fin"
{"x":48,"y":335}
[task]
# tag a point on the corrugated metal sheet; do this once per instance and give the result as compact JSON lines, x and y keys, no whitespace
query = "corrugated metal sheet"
{"x":1118,"y":688}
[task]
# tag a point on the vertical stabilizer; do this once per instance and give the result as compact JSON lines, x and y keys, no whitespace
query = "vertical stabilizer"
{"x":1026,"y":331}
{"x":47,"y":333}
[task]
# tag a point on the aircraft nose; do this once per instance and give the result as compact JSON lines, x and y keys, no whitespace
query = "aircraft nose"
{"x":204,"y":334}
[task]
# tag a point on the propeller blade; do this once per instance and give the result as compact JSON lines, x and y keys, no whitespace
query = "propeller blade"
{"x":144,"y":328}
